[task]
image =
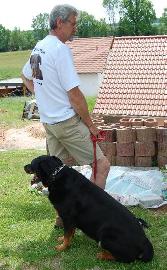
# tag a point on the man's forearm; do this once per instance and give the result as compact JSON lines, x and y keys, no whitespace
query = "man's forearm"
{"x":28,"y":83}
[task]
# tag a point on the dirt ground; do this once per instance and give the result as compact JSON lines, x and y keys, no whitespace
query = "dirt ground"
{"x":30,"y":137}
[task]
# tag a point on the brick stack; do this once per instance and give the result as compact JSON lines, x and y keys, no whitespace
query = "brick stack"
{"x":126,"y":138}
{"x":135,"y":142}
{"x":145,"y":146}
{"x":162,"y":146}
{"x":132,"y":142}
{"x":109,"y":145}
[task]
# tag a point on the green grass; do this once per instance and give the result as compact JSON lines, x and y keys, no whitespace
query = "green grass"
{"x":91,"y":103}
{"x":11,"y":110}
{"x":12,"y":63}
{"x":27,"y":236}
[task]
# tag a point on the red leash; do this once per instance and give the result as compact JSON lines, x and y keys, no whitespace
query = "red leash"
{"x":101,"y":137}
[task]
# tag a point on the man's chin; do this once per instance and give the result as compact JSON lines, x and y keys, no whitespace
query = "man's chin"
{"x":71,"y":38}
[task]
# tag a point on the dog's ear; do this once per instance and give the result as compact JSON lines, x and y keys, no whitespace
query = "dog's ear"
{"x":43,"y":165}
{"x":49,"y":164}
{"x":28,"y":169}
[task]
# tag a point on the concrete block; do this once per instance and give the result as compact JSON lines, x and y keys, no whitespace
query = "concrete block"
{"x":144,"y":149}
{"x":143,"y":161}
{"x":125,"y":161}
{"x":145,"y":134}
{"x":162,"y":149}
{"x":126,"y":135}
{"x":150,"y":122}
{"x":161,"y":134}
{"x":162,"y":161}
{"x":125,"y":149}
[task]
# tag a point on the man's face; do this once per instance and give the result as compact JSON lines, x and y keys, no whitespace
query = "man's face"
{"x":69,"y":27}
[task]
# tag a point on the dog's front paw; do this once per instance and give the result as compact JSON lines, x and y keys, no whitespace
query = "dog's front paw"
{"x":61,"y":247}
{"x":60,"y":239}
{"x":105,"y":255}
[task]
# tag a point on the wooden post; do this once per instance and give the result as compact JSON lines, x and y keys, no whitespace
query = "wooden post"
{"x":24,"y":90}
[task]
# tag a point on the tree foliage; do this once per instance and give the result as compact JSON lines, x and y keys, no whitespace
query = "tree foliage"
{"x":163,"y":23}
{"x":15,"y":40}
{"x":112,"y":8}
{"x":27,"y":40}
{"x":40,"y":25}
{"x":4,"y":39}
{"x":88,"y":26}
{"x":135,"y":16}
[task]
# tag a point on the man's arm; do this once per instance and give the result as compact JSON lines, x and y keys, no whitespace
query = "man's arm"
{"x":28,"y":83}
{"x":80,"y":106}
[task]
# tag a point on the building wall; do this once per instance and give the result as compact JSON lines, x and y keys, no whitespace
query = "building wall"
{"x":90,"y":83}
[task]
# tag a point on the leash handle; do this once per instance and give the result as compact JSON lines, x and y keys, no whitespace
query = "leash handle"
{"x":95,"y":160}
{"x":101,"y":137}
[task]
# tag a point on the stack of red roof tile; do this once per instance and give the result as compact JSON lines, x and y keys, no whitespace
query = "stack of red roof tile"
{"x":135,"y":78}
{"x":90,"y":54}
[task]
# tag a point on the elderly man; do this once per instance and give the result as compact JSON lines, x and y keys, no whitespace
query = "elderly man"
{"x":63,"y":110}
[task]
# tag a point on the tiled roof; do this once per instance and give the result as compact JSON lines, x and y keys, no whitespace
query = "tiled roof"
{"x":135,"y":78}
{"x":90,"y":54}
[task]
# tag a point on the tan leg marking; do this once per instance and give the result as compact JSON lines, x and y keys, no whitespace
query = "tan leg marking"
{"x":66,"y":240}
{"x":105,"y":255}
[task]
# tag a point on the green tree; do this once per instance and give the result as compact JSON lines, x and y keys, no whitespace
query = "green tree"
{"x":27,"y":40}
{"x":136,"y":18}
{"x":40,"y":25}
{"x":104,"y":29}
{"x":88,"y":26}
{"x":4,"y":39}
{"x":163,"y":22}
{"x":15,"y":40}
{"x":112,"y":8}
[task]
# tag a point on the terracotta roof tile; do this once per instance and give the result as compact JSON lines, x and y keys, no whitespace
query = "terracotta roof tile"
{"x":135,"y":77}
{"x":90,"y":54}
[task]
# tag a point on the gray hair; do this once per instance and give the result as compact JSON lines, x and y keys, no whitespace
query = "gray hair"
{"x":63,"y":12}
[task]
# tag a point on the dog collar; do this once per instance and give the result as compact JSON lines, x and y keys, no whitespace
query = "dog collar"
{"x":58,"y":170}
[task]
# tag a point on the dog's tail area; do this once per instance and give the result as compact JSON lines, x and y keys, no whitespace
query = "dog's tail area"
{"x":148,"y":252}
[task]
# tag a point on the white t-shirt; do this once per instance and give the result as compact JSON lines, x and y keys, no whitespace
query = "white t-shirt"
{"x":53,"y":73}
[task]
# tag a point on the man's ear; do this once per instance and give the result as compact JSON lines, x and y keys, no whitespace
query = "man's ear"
{"x":59,"y":23}
{"x":28,"y":169}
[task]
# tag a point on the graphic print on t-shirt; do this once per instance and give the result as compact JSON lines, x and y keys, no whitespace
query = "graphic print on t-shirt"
{"x":35,"y":62}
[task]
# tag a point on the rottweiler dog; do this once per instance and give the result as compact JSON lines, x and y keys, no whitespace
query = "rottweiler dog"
{"x":83,"y":205}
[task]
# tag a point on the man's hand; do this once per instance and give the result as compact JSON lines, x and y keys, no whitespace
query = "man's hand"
{"x":28,"y":83}
{"x":94,"y":130}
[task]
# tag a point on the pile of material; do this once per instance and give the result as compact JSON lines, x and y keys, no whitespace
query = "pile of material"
{"x":134,"y":142}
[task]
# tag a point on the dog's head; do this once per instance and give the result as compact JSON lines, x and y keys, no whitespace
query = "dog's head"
{"x":43,"y":167}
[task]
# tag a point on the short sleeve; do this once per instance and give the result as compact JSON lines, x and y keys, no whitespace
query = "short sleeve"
{"x":65,"y":68}
{"x":27,"y":71}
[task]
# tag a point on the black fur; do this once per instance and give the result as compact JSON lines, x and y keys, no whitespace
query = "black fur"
{"x":83,"y":205}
